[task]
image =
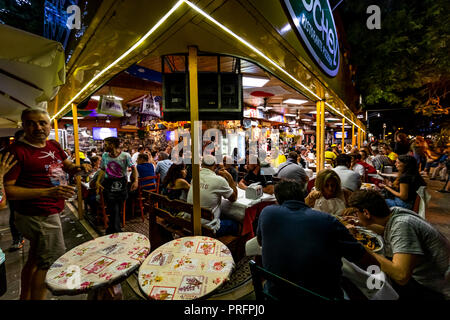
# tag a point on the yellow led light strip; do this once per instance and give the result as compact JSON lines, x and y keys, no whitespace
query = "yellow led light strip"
{"x":207,"y":16}
{"x":137,"y":44}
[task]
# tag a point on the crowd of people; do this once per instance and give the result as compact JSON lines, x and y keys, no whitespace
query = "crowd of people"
{"x":39,"y":177}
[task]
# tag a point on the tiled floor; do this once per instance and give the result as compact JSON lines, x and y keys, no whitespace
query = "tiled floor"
{"x":74,"y":234}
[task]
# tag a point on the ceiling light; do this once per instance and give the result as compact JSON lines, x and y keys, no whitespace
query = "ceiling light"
{"x":313,"y":112}
{"x":295,"y":101}
{"x":289,"y":115}
{"x":306,"y":120}
{"x":332,"y":119}
{"x":254,"y":82}
{"x":97,"y":98}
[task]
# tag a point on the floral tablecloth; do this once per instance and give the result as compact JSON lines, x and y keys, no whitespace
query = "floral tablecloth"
{"x":185,"y":268}
{"x":98,"y":263}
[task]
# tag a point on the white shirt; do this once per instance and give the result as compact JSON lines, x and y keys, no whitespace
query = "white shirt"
{"x":135,"y":156}
{"x":359,"y":169}
{"x":349,"y":179}
{"x":212,"y":189}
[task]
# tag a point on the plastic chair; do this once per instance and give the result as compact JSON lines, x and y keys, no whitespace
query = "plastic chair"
{"x":311,"y":184}
{"x":421,"y":202}
{"x":259,"y":274}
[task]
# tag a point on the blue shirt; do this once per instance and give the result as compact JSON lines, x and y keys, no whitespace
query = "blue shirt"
{"x":305,"y":246}
{"x":162,"y":167}
{"x":146,"y":170}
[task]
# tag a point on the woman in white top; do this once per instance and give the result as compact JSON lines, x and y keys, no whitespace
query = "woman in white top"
{"x":328,"y":195}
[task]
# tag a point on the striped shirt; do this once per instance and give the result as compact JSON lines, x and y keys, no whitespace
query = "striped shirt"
{"x":380,"y":161}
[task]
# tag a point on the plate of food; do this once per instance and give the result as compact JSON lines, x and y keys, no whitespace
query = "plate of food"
{"x":369,"y":239}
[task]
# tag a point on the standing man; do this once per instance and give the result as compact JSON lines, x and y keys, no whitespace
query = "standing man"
{"x":38,"y":185}
{"x":113,"y":172}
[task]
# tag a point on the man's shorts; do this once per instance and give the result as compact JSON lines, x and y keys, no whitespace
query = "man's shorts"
{"x":45,"y":235}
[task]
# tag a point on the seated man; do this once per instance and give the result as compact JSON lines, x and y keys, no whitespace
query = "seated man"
{"x":212,"y":188}
{"x":330,"y":156}
{"x":291,"y":170}
{"x":350,"y":180}
{"x":163,"y":165}
{"x":357,"y":166}
{"x":418,"y":255}
{"x":254,"y":175}
{"x":379,"y":161}
{"x":305,"y":246}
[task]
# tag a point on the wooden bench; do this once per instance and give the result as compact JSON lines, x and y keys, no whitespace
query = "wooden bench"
{"x":163,"y":223}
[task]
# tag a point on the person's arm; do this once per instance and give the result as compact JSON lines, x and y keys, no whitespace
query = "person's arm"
{"x":6,"y":163}
{"x":98,"y":183}
{"x":403,"y":194}
{"x":242,"y":184}
{"x":182,"y":184}
{"x":21,"y":193}
{"x":134,"y":178}
{"x":223,"y":173}
{"x":268,"y":189}
{"x":312,"y":197}
{"x":401,"y":267}
{"x":72,"y":168}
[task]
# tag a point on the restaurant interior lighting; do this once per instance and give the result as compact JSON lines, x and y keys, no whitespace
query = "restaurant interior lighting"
{"x":306,"y":119}
{"x":294,"y":101}
{"x":97,"y":98}
{"x":289,"y":115}
{"x":254,"y":81}
{"x":332,"y":119}
{"x":214,"y":21}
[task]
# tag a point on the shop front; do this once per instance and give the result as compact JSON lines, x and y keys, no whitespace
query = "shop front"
{"x":133,"y":55}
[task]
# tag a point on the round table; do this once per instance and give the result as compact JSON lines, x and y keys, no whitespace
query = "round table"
{"x":99,"y":263}
{"x":185,"y":268}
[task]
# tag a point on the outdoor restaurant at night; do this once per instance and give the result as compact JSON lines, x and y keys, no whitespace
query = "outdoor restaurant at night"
{"x":196,"y":140}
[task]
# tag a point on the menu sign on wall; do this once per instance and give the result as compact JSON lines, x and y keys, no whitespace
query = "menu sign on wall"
{"x":313,"y":19}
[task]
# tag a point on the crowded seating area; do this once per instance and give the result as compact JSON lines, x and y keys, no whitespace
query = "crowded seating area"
{"x":355,"y":186}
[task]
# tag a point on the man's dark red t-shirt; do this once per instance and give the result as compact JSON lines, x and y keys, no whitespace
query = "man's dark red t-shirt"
{"x":38,"y":168}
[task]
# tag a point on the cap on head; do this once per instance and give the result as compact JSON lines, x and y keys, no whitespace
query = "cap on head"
{"x":209,"y":160}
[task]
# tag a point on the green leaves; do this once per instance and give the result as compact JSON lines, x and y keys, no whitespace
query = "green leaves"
{"x":408,"y":61}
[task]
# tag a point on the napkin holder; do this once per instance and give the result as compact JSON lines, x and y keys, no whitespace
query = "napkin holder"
{"x":254,"y":191}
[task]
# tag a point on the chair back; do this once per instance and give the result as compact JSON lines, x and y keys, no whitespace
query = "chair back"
{"x":311,"y":184}
{"x":259,"y":274}
{"x":150,"y":183}
{"x":163,"y":212}
{"x":421,"y":202}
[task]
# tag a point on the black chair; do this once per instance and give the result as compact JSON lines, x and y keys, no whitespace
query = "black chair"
{"x":259,"y":274}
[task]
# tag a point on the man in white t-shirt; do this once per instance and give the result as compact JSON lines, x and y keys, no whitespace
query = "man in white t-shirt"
{"x":136,"y":154}
{"x":212,"y":188}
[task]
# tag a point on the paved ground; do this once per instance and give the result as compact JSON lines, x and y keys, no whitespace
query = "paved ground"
{"x":438,"y":213}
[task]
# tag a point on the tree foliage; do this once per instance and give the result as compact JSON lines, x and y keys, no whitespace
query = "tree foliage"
{"x":406,"y":62}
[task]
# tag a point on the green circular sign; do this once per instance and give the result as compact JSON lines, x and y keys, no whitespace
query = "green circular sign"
{"x":313,"y":19}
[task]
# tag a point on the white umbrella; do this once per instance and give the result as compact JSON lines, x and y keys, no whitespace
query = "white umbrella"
{"x":32,"y":68}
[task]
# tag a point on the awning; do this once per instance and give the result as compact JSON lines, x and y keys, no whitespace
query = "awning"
{"x":31,"y":70}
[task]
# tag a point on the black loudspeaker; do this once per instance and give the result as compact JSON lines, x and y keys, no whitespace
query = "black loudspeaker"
{"x":220,"y":96}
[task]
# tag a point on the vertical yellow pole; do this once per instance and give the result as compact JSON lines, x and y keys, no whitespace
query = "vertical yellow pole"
{"x":319,"y":137}
{"x":193,"y":90}
{"x":322,"y":135}
{"x":343,"y":135}
{"x":359,"y":138}
{"x":353,"y":135}
{"x":55,"y":122}
{"x":77,"y":160}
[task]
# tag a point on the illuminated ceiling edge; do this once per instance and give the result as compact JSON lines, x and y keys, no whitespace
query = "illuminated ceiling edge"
{"x":207,"y":16}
